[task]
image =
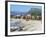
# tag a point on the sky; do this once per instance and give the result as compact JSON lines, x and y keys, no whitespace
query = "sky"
{"x":22,"y":8}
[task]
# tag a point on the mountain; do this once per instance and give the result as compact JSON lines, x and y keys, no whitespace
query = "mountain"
{"x":33,"y":11}
{"x":18,"y":13}
{"x":36,"y":11}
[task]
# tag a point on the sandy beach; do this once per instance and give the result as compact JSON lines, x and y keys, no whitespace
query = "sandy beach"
{"x":30,"y":25}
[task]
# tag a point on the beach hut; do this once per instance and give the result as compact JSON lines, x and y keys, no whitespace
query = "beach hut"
{"x":28,"y":17}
